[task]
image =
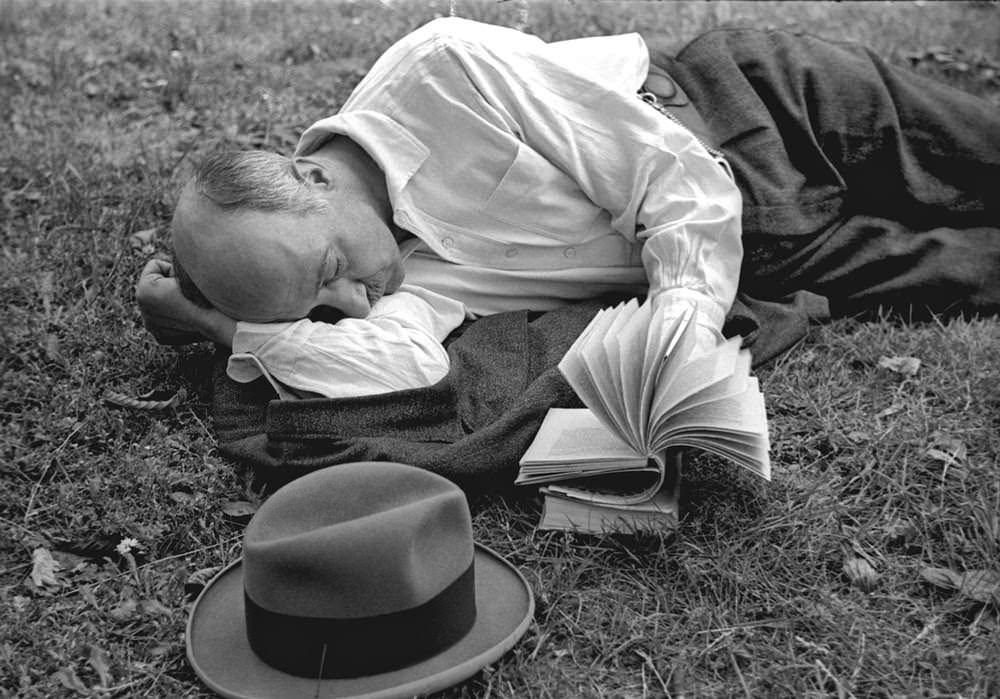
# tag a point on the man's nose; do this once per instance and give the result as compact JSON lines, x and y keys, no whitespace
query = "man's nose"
{"x":350,"y":297}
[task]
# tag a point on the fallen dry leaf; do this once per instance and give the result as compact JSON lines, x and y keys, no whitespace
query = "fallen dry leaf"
{"x":67,"y":677}
{"x":941,"y":577}
{"x":978,"y":584}
{"x":239,"y":511}
{"x":946,"y":449}
{"x":198,"y":579}
{"x":153,"y":400}
{"x":152,"y":607}
{"x":99,"y":661}
{"x":46,"y":289}
{"x":860,"y":572}
{"x":904,"y":366}
{"x":981,"y":585}
{"x":124,"y":611}
{"x":44,"y":568}
{"x":891,"y":410}
{"x":143,"y":241}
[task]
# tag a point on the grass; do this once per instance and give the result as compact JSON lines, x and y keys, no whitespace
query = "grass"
{"x":826,"y":582}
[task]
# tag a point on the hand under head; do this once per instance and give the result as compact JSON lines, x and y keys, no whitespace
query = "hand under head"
{"x":262,"y":243}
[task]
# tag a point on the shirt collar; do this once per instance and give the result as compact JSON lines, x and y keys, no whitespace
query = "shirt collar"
{"x":398,"y":152}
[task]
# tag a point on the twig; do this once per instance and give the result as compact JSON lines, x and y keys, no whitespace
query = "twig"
{"x":739,"y":673}
{"x":649,"y":661}
{"x":45,"y":470}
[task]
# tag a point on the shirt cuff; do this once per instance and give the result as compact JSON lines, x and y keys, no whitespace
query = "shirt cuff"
{"x":244,"y":368}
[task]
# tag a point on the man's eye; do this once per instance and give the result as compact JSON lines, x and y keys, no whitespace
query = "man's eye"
{"x":332,"y":272}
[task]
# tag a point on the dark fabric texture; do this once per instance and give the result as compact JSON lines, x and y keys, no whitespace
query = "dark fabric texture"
{"x":471,"y":427}
{"x":864,"y":186}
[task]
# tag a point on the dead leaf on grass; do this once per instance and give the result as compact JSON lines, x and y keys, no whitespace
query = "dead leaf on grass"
{"x":904,"y":366}
{"x":124,"y":610}
{"x":947,"y":450}
{"x":197,"y":581}
{"x":46,"y":289}
{"x":44,"y":569}
{"x":99,"y":661}
{"x":153,"y":607}
{"x":70,"y":562}
{"x":238,"y":511}
{"x":891,"y":410}
{"x":153,"y":400}
{"x":860,"y":572}
{"x":52,"y":351}
{"x":67,"y":677}
{"x":143,"y":242}
{"x":979,"y":584}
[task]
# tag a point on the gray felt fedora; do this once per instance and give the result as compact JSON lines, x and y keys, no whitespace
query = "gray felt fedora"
{"x":358,"y":580}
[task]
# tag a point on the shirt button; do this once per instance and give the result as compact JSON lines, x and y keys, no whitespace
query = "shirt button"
{"x":511,"y":252}
{"x":447,"y":242}
{"x":569,"y":252}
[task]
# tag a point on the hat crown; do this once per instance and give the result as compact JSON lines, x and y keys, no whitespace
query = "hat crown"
{"x":357,"y":540}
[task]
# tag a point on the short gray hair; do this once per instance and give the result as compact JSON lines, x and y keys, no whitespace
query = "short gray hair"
{"x":255,"y":179}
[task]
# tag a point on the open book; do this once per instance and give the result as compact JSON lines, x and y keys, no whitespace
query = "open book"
{"x":614,"y":464}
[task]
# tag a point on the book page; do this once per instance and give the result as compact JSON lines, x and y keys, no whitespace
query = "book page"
{"x":742,"y":418}
{"x":585,"y":375}
{"x":697,"y":375}
{"x":661,"y":335}
{"x":575,"y":434}
{"x":607,"y":361}
{"x":675,"y":350}
{"x":633,"y":363}
{"x":573,"y":442}
{"x":720,"y":391}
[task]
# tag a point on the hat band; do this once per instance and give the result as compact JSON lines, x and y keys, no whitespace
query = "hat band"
{"x":321,"y":647}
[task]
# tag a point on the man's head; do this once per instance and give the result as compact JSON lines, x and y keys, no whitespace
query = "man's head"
{"x":262,"y":242}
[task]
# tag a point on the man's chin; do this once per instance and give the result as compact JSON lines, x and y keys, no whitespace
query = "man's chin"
{"x":395,"y":280}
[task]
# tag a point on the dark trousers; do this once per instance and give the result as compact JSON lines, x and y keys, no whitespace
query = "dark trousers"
{"x":863,"y":184}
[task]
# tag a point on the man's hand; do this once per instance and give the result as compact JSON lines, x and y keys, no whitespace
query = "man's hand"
{"x":170,"y":317}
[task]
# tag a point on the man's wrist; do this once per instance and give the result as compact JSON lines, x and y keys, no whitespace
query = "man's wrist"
{"x":216,"y":326}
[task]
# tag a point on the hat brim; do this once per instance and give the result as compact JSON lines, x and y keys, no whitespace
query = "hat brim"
{"x":220,"y":654}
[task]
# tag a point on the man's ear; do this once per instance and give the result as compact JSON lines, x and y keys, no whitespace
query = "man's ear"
{"x":313,"y":173}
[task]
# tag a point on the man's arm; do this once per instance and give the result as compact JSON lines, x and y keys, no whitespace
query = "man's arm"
{"x":170,"y":317}
{"x":659,"y":185}
{"x":398,"y":346}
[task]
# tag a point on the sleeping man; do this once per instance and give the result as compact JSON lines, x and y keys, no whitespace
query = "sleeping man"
{"x":505,"y":173}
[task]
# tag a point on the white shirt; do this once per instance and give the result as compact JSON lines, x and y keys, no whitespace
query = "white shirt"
{"x":532,"y":175}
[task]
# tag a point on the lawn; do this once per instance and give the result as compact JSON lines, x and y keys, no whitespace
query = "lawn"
{"x":869,"y":567}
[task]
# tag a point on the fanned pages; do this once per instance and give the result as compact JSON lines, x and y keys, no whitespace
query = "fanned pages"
{"x":646,"y":392}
